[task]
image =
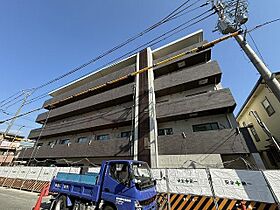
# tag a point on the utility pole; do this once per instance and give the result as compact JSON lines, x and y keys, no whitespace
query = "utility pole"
{"x":232,"y":15}
{"x":27,"y":94}
{"x":265,"y":129}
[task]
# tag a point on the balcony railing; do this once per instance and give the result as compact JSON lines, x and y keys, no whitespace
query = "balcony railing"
{"x":96,"y":148}
{"x":224,"y":141}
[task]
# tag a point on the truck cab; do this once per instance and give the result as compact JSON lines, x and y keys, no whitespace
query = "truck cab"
{"x":120,"y":185}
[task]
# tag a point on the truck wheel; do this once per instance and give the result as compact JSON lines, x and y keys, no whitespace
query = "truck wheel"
{"x":60,"y":203}
{"x":108,"y":207}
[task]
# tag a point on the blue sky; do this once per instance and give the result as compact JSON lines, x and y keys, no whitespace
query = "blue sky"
{"x":41,"y":40}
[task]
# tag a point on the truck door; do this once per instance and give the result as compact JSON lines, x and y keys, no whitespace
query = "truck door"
{"x":117,"y":185}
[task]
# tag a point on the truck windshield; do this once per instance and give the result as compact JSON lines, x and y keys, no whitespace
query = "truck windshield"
{"x":142,"y":175}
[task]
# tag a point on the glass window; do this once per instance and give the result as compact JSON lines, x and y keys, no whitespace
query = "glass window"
{"x":82,"y":140}
{"x":165,"y":131}
{"x":267,"y":106}
{"x":254,"y":133}
{"x":125,"y":134}
{"x":103,"y":137}
{"x":64,"y":141}
{"x":205,"y":127}
{"x":120,"y":172}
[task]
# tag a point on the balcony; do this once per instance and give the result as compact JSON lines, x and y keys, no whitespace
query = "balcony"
{"x":99,"y":120}
{"x":91,"y":83}
{"x":225,"y":141}
{"x":105,"y":148}
{"x":109,"y":98}
{"x":188,"y":78}
{"x":214,"y":102}
{"x":6,"y":159}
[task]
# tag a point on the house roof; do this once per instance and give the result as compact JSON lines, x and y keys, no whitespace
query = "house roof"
{"x":258,"y":83}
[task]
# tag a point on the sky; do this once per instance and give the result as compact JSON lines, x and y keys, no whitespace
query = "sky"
{"x":43,"y":39}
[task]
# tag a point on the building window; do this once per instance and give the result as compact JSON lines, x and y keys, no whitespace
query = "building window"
{"x":64,"y":141}
{"x":267,"y":106}
{"x":125,"y":134}
{"x":165,"y":131}
{"x":254,"y":133}
{"x":103,"y":137}
{"x":205,"y":127}
{"x":82,"y":140}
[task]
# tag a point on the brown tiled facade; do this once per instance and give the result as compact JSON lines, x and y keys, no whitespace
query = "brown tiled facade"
{"x":171,"y":114}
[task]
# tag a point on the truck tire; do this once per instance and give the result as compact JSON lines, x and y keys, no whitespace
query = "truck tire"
{"x":60,"y":203}
{"x":108,"y":207}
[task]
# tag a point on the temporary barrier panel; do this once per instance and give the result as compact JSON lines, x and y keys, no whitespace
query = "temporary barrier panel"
{"x":189,"y":181}
{"x":6,"y":171}
{"x":14,"y":172}
{"x":23,"y":172}
{"x":33,"y":173}
{"x":94,"y":170}
{"x":47,"y":173}
{"x":273,"y":178}
{"x":240,"y":184}
{"x":160,"y":176}
{"x":75,"y":170}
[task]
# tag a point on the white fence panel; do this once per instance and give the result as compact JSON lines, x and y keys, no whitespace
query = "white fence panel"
{"x":75,"y":170}
{"x":14,"y":172}
{"x":273,"y":178}
{"x":189,"y":181}
{"x":33,"y":173}
{"x":6,"y":171}
{"x":47,"y":173}
{"x":1,"y":171}
{"x":23,"y":172}
{"x":160,"y":176}
{"x":94,"y":169}
{"x":240,"y":184}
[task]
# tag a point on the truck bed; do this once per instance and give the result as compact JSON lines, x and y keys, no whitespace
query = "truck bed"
{"x":77,"y":185}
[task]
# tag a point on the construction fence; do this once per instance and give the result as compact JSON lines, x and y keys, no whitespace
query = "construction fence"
{"x":177,"y":188}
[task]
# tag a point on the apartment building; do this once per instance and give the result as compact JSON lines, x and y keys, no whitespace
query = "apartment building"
{"x":175,"y":115}
{"x":266,"y":106}
{"x":9,"y":147}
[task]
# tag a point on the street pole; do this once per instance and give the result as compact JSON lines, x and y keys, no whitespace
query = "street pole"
{"x":231,"y":18}
{"x":265,"y":73}
{"x":16,"y":114}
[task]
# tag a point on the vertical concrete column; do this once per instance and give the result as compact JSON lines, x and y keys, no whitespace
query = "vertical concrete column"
{"x":152,"y":112}
{"x":143,"y":116}
{"x":136,"y":111}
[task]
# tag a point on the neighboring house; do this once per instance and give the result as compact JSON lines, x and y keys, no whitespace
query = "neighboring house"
{"x":267,"y":107}
{"x":176,"y":115}
{"x":9,"y":146}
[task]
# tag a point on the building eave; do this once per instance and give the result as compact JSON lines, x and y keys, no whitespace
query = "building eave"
{"x":257,"y":85}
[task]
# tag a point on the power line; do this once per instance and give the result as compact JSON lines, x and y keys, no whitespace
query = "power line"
{"x":149,"y":43}
{"x":164,"y":20}
{"x":264,"y":24}
{"x":169,"y":17}
{"x":192,"y":51}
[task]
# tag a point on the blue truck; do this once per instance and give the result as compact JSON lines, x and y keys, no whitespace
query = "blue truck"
{"x":119,"y":185}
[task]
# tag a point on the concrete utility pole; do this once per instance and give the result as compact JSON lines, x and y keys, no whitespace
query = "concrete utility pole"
{"x":232,"y":15}
{"x":265,"y":129}
{"x":27,"y":94}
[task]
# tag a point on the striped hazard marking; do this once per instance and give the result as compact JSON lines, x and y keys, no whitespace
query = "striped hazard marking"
{"x":188,"y":202}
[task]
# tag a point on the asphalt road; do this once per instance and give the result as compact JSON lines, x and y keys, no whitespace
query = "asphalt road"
{"x":11,"y":199}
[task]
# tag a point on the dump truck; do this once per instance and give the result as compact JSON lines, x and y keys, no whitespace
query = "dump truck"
{"x":119,"y":185}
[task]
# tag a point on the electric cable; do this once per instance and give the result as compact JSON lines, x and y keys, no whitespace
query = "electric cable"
{"x":164,"y":20}
{"x":192,"y":51}
{"x":169,"y":17}
{"x":151,"y":43}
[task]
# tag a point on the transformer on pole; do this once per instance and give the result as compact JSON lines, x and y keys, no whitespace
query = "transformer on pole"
{"x":232,"y":15}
